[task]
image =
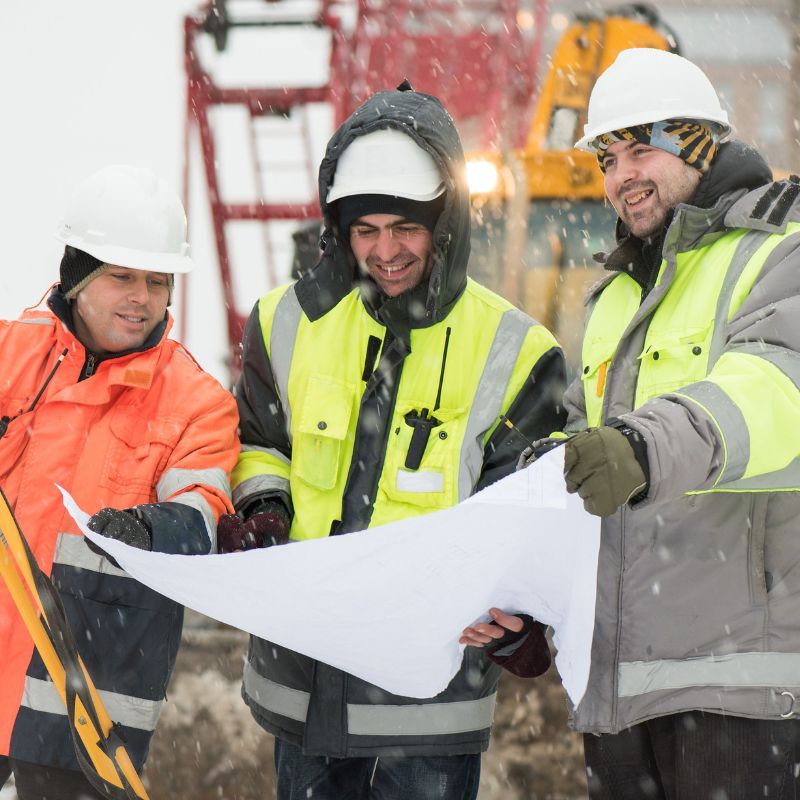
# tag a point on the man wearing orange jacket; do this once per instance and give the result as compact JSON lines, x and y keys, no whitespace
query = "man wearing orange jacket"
{"x":94,"y":397}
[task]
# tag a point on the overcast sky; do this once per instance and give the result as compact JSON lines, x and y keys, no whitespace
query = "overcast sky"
{"x":87,"y":84}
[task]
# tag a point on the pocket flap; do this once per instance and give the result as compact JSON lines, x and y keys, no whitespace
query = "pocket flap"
{"x":129,"y":426}
{"x":326,"y":408}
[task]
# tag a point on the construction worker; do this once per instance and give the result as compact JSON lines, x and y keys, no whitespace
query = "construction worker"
{"x":686,"y":443}
{"x":95,"y":398}
{"x":372,"y":391}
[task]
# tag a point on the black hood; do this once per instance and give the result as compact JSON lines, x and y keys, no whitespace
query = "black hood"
{"x":425,"y":120}
{"x":737,"y":166}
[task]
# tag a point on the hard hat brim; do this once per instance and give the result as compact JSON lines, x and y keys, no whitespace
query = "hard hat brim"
{"x":144,"y":260}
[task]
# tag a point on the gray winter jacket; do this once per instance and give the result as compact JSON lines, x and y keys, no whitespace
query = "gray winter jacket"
{"x":698,"y":598}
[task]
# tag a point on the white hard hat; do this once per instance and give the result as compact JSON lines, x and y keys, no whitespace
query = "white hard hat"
{"x":128,"y":217}
{"x":647,"y":85}
{"x":386,"y":162}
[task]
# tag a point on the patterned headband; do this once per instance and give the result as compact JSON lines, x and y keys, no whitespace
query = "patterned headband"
{"x":696,"y":144}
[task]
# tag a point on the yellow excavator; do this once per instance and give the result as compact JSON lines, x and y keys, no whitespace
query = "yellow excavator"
{"x":539,"y":212}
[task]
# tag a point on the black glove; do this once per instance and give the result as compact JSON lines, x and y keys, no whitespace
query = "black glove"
{"x":538,"y":449}
{"x":266,"y":526}
{"x":603,"y":465}
{"x":126,"y":526}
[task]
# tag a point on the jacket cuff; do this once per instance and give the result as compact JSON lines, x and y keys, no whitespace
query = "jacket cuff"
{"x":527,"y":655}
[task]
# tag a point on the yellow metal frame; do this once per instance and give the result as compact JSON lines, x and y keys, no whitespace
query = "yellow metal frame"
{"x":16,"y":572}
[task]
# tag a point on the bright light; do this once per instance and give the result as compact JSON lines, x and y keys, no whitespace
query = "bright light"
{"x":559,"y":22}
{"x":482,"y":177}
{"x":525,"y":20}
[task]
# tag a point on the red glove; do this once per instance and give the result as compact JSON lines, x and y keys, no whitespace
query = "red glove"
{"x":263,"y":529}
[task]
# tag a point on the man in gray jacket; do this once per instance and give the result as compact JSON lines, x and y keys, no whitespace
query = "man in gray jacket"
{"x":686,"y":434}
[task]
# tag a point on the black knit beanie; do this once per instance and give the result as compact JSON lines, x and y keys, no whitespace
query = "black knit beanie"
{"x":423,"y":212}
{"x":77,"y":270}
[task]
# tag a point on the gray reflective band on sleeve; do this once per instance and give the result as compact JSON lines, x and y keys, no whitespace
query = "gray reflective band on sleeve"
{"x":134,"y":712}
{"x":259,"y":484}
{"x":736,"y":669}
{"x":281,"y":348}
{"x":488,"y":400}
{"x":72,"y":551}
{"x":175,"y":480}
{"x":787,"y":361}
{"x":289,"y":703}
{"x":731,"y":422}
{"x":199,"y":503}
{"x":433,"y":719}
{"x":270,"y":451}
{"x":744,"y":252}
{"x":786,"y":479}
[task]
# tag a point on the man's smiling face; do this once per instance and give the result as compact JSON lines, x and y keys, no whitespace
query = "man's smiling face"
{"x":120,"y":308}
{"x":644,"y":183}
{"x":394,"y":251}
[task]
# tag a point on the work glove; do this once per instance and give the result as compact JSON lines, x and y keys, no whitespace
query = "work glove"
{"x":538,"y":449}
{"x":267,"y":526}
{"x":127,"y":526}
{"x":524,"y":653}
{"x":606,"y":467}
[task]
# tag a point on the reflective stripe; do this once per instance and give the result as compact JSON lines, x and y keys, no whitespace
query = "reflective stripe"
{"x":488,"y":400}
{"x":376,"y":720}
{"x":420,"y":481}
{"x":270,"y":451}
{"x":787,"y":478}
{"x":196,"y":501}
{"x":175,"y":479}
{"x":736,"y":669}
{"x":729,"y":420}
{"x":744,"y":252}
{"x":37,"y":321}
{"x":289,"y":703}
{"x":134,"y":712}
{"x":433,"y":719}
{"x":258,"y":484}
{"x":281,"y":348}
{"x":72,"y":551}
{"x":787,"y":361}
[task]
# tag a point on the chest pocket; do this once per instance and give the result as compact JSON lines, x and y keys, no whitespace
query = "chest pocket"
{"x":434,"y":484}
{"x":138,"y":452}
{"x":594,"y":366}
{"x":318,"y":447}
{"x":671,"y":360}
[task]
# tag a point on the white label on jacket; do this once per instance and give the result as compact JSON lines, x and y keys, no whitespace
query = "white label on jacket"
{"x":420,"y":481}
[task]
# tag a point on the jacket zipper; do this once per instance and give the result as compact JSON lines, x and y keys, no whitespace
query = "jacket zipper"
{"x":5,"y":421}
{"x":89,"y":366}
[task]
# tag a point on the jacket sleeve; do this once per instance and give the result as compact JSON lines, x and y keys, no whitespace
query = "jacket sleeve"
{"x":575,"y":407}
{"x":741,"y":421}
{"x":533,"y":404}
{"x":263,"y":468}
{"x":193,"y":489}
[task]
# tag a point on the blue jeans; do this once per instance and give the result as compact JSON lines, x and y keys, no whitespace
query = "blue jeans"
{"x":302,"y":777}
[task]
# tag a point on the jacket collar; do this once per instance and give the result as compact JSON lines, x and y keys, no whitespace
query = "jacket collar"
{"x":135,"y":367}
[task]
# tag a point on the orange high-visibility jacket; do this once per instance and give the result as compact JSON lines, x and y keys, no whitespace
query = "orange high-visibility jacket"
{"x":149,"y":427}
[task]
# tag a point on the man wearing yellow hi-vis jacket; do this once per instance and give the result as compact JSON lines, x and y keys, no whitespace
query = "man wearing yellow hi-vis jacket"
{"x":372,"y":391}
{"x":689,"y":416}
